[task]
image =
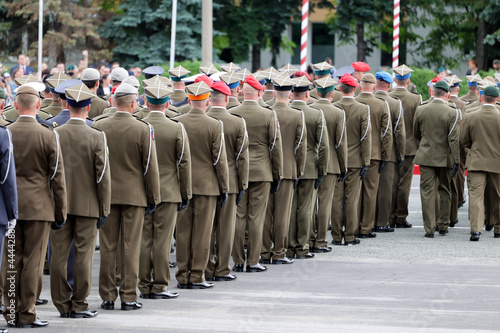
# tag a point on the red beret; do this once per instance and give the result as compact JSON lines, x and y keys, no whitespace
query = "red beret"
{"x":436,"y":79}
{"x":302,"y":73}
{"x":114,"y":89}
{"x":250,"y":80}
{"x":349,"y":80}
{"x":205,"y":79}
{"x":360,"y":66}
{"x":222,"y":88}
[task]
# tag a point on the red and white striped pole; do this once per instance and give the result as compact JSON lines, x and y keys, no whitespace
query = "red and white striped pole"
{"x":395,"y":36}
{"x":303,"y":38}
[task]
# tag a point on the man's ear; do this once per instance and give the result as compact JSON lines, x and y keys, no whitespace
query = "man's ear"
{"x":88,"y":108}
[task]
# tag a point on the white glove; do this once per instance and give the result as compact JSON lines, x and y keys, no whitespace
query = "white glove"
{"x":10,"y":227}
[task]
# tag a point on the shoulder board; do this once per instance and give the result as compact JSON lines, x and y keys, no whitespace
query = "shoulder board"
{"x":95,"y":128}
{"x":294,"y":108}
{"x":236,"y":115}
{"x":315,"y":108}
{"x":144,"y":122}
{"x":213,"y":117}
{"x":43,"y":111}
{"x":90,"y":119}
{"x":47,"y":126}
{"x":267,"y":106}
{"x":174,"y":120}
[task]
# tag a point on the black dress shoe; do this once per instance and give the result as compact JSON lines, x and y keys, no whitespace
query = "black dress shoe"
{"x":256,"y":268}
{"x":126,"y":306}
{"x":37,"y":323}
{"x":443,"y":232}
{"x":264,"y":261}
{"x":460,"y":205}
{"x":282,"y":261}
{"x":453,"y":224}
{"x":83,"y":314}
{"x":429,"y":235}
{"x":496,"y":236}
{"x":488,"y":227}
{"x":108,"y":305}
{"x":64,"y":315}
{"x":305,"y":256}
{"x":370,"y":235}
{"x":474,"y":237}
{"x":238,"y":268}
{"x":41,"y":301}
{"x":163,"y":295}
{"x":172,"y":264}
{"x":322,"y":249}
{"x":353,"y":242}
{"x":290,"y":256}
{"x":386,"y":228}
{"x":228,"y":277}
{"x":337,"y":243}
{"x":201,"y":285}
{"x":404,"y":224}
{"x":183,"y":285}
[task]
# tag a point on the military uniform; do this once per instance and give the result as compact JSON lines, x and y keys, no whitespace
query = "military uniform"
{"x":210,"y":179}
{"x":388,"y":176}
{"x":436,"y":127}
{"x":335,"y":119}
{"x":358,"y":151}
{"x":266,"y":165}
{"x":294,"y":145}
{"x":401,"y":193}
{"x":97,"y":107}
{"x":45,"y":102}
{"x":135,"y":185}
{"x":318,"y":155}
{"x":381,"y":130}
{"x":42,"y":199}
{"x":236,"y":144}
{"x":174,"y":161}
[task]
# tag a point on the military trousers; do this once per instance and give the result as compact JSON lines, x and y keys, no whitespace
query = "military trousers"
{"x":492,"y":210}
{"x":277,"y":222}
{"x":124,"y":221}
{"x":251,"y":213}
{"x":25,"y":251}
{"x":476,"y":183}
{"x":454,"y":198}
{"x":345,"y":207}
{"x":319,"y":227}
{"x":301,"y":218}
{"x":156,"y":243}
{"x":193,"y":234}
{"x":384,"y":194}
{"x":368,"y":198}
{"x":401,"y":191}
{"x":428,"y":178}
{"x":222,"y":240}
{"x":461,"y":176}
{"x":83,"y":232}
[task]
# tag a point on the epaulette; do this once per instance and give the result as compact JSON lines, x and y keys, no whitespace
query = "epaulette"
{"x":144,"y":122}
{"x":8,"y":108}
{"x":45,"y":113}
{"x":236,"y":115}
{"x":214,"y":117}
{"x":47,"y":126}
{"x":315,"y":108}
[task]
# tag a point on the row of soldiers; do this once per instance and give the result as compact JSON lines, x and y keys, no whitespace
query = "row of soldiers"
{"x":267,"y":173}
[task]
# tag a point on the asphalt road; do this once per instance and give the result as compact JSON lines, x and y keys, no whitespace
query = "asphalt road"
{"x":398,"y":282}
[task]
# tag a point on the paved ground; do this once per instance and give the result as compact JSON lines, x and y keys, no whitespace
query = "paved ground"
{"x":399,"y":282}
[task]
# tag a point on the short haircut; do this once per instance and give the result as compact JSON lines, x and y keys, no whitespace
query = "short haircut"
{"x":438,"y":92}
{"x":217,"y":95}
{"x":346,"y":89}
{"x":324,"y":94}
{"x":199,"y":104}
{"x":472,"y":88}
{"x":301,"y":94}
{"x":125,"y":101}
{"x":489,"y":99}
{"x":402,"y":82}
{"x":157,"y":107}
{"x":90,"y":84}
{"x":27,"y":101}
{"x":78,"y":110}
{"x":282,"y":94}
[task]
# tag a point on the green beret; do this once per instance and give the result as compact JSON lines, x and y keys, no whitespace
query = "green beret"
{"x":488,"y":91}
{"x":442,"y":85}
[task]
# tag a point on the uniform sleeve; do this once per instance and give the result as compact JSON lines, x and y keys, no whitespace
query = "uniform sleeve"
{"x":453,"y":135}
{"x":184,"y":163}
{"x":103,"y":176}
{"x":400,"y":133}
{"x":341,"y":141}
{"x":386,"y":133}
{"x":150,"y":167}
{"x":242,"y":156}
{"x":323,"y":145}
{"x":275,"y":146}
{"x":465,"y":139}
{"x":8,"y":182}
{"x":57,"y":178}
{"x":366,"y":137}
{"x":220,"y":158}
{"x":301,"y":145}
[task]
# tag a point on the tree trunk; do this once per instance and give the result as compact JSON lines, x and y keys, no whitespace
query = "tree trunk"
{"x":360,"y":33}
{"x":24,"y":40}
{"x":255,"y":57}
{"x":480,"y":46}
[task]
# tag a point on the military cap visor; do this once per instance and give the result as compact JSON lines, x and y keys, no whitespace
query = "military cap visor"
{"x":61,"y":87}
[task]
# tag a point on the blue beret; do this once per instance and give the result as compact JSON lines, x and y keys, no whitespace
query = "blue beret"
{"x":403,"y":77}
{"x":61,"y":87}
{"x":384,"y":76}
{"x":472,"y":84}
{"x":234,"y":85}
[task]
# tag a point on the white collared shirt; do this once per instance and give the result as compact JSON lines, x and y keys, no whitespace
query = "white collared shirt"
{"x":27,"y":115}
